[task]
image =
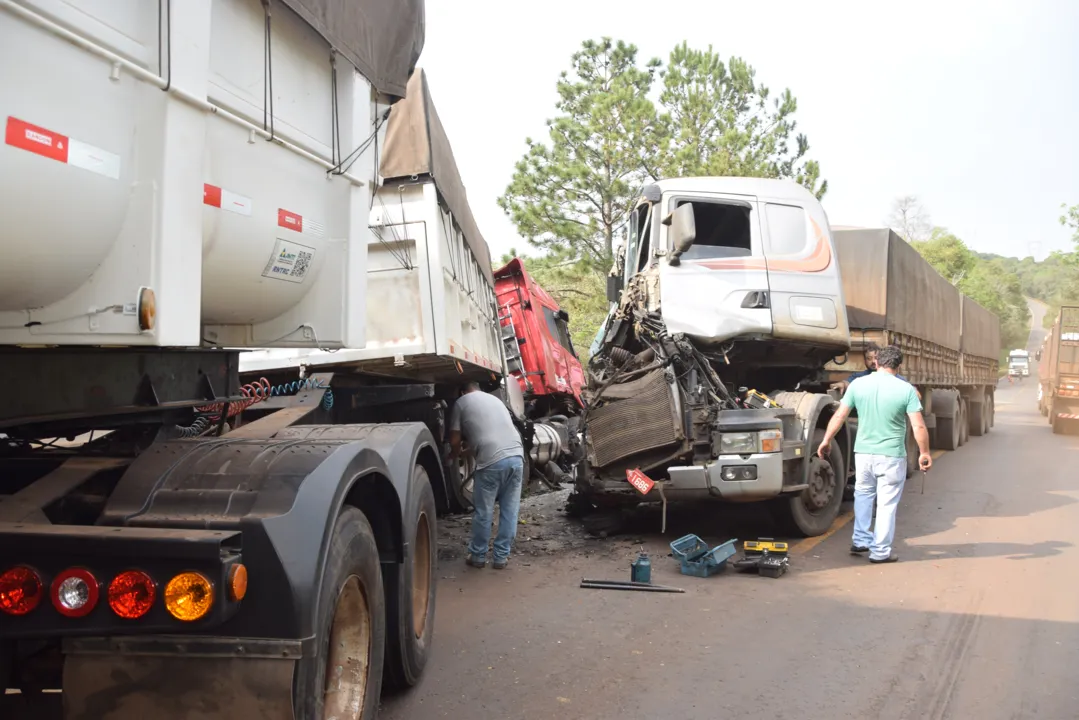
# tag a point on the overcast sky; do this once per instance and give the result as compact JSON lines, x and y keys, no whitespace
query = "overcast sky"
{"x":971,"y":106}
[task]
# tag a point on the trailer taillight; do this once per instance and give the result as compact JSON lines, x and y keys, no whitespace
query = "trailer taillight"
{"x":189,"y":596}
{"x":75,"y":592}
{"x":131,"y":594}
{"x":20,"y":590}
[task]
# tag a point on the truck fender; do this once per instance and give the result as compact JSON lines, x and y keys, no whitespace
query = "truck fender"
{"x":815,"y":410}
{"x":284,"y":494}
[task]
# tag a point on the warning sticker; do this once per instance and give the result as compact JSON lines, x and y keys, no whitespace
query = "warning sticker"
{"x":290,"y":261}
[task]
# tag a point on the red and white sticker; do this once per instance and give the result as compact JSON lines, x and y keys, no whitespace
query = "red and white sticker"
{"x":46,"y":143}
{"x":298,"y":223}
{"x":640,"y":482}
{"x":217,"y":197}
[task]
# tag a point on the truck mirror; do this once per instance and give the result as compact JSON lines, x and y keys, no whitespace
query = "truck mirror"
{"x":614,"y":287}
{"x":683,"y":230}
{"x":562,"y":315}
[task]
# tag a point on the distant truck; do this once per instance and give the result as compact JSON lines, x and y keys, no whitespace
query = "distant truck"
{"x":1058,"y":372}
{"x":1019,"y":364}
{"x":734,"y":309}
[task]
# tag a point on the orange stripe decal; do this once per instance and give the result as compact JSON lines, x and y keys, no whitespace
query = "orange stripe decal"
{"x":817,"y":261}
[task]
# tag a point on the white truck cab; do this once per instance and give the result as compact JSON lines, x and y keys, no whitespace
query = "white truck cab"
{"x":735,"y":258}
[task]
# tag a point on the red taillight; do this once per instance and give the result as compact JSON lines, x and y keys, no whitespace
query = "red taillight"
{"x":20,"y":590}
{"x":131,"y":594}
{"x":75,"y":592}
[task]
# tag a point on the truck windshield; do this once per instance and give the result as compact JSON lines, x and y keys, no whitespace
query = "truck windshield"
{"x":723,"y":230}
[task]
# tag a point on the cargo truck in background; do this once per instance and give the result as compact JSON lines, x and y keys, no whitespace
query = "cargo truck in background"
{"x":1058,"y":372}
{"x":735,"y":308}
{"x":1019,"y":364}
{"x":182,"y":181}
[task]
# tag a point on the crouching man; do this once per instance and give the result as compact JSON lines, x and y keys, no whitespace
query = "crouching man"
{"x":484,"y":422}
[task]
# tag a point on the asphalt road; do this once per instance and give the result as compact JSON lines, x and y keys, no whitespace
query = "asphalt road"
{"x":979,"y":619}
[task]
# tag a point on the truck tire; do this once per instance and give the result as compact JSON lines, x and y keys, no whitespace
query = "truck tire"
{"x":992,"y":401}
{"x":947,"y":433}
{"x":459,"y":479}
{"x":1058,"y":425}
{"x":410,"y":590}
{"x":912,"y":452}
{"x":346,"y":669}
{"x":812,"y":511}
{"x":977,"y":418}
{"x":964,"y":422}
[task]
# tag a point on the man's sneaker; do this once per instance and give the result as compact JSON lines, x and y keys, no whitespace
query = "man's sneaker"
{"x":858,"y":550}
{"x":475,"y":562}
{"x":880,"y":561}
{"x":500,"y":564}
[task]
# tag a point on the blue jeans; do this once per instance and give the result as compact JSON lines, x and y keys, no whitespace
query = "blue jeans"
{"x":499,"y":481}
{"x":880,"y":478}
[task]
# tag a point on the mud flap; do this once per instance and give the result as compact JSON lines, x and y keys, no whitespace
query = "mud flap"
{"x":131,"y":687}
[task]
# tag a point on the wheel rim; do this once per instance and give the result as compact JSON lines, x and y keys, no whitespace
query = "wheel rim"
{"x":421,"y":575}
{"x":349,"y":654}
{"x":821,"y":488}
{"x":466,"y":469}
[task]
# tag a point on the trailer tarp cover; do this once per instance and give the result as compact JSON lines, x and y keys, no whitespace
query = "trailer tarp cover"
{"x":981,"y":330}
{"x":382,"y":38}
{"x":417,"y":145}
{"x":887,"y":285}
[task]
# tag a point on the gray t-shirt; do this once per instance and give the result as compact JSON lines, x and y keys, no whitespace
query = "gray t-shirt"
{"x":486,"y":424}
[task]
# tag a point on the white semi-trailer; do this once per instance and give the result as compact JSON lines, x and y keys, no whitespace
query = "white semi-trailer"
{"x":180,"y":181}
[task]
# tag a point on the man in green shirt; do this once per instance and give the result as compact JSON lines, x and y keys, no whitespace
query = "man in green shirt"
{"x":884,"y":403}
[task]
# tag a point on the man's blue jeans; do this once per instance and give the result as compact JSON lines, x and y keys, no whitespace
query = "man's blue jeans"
{"x":500,"y":481}
{"x":880,"y":478}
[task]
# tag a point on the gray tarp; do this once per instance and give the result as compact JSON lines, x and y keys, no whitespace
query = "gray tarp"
{"x":416,"y":145}
{"x":382,"y":38}
{"x":889,"y":286}
{"x":981,"y":330}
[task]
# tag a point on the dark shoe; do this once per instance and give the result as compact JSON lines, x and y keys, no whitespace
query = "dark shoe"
{"x":858,"y":550}
{"x":500,"y":564}
{"x":473,"y":562}
{"x":890,"y":559}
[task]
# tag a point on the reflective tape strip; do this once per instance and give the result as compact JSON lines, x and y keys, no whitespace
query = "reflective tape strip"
{"x":217,"y":197}
{"x":46,"y":143}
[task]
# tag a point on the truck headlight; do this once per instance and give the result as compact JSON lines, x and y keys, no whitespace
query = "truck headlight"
{"x":771,"y":441}
{"x":738,"y":443}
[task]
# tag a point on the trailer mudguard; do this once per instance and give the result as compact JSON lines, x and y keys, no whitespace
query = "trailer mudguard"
{"x":283,"y":494}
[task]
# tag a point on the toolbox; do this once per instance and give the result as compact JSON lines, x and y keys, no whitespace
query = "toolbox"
{"x":767,"y":556}
{"x":696,"y":558}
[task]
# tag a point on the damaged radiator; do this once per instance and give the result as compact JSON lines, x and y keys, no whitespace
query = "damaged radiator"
{"x":639,"y":416}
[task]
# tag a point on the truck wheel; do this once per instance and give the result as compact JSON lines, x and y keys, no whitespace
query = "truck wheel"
{"x":992,"y":410}
{"x":410,"y":590}
{"x":345,"y":674}
{"x":947,"y":433}
{"x":912,"y":452}
{"x":812,"y":511}
{"x":459,"y":478}
{"x":977,"y":419}
{"x":1058,"y":425}
{"x":964,"y":422}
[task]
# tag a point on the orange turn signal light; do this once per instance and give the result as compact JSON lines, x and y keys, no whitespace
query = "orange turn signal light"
{"x":189,"y":596}
{"x":237,"y":582}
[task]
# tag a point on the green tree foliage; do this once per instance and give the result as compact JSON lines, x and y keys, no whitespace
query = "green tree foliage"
{"x":718,"y":120}
{"x":568,"y":196}
{"x":989,"y":282}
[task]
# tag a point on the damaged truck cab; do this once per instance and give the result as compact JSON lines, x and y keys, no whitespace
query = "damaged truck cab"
{"x":708,"y":374}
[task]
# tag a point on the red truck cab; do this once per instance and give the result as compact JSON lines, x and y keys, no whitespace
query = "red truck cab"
{"x":539,"y":352}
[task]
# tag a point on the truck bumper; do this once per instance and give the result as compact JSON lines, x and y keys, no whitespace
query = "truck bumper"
{"x":765,"y":469}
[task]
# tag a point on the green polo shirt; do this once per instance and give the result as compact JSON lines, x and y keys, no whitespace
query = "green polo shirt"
{"x":883,"y":402}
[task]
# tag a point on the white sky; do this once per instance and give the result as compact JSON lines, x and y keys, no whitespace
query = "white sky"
{"x":971,"y":106}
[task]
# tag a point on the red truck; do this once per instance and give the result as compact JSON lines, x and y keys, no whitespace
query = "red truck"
{"x":540,"y":356}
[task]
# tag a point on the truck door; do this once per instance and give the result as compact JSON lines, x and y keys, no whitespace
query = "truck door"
{"x":719,"y":290}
